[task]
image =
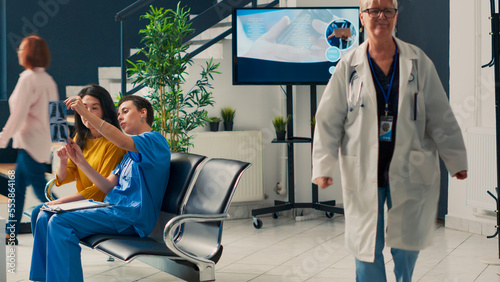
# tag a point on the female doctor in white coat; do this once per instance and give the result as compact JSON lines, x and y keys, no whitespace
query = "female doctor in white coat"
{"x":384,"y":116}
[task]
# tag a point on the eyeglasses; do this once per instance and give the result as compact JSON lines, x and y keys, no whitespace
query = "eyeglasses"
{"x":375,"y":12}
{"x":19,"y":50}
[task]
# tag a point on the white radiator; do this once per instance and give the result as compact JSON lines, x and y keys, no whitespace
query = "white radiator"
{"x":238,"y":145}
{"x":482,"y":174}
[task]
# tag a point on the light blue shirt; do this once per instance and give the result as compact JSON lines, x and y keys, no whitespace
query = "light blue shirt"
{"x":142,"y":182}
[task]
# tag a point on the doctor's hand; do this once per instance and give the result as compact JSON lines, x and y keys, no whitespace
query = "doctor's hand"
{"x":461,"y":175}
{"x":323,"y":182}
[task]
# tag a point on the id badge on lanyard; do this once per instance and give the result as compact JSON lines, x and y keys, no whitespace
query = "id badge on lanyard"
{"x":385,"y":129}
{"x":386,"y":121}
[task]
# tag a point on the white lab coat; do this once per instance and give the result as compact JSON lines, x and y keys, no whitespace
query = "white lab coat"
{"x":347,"y":132}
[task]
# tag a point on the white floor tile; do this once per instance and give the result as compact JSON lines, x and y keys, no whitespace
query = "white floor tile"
{"x":278,"y":278}
{"x":287,"y":250}
{"x":296,"y":271}
{"x":336,"y":273}
{"x":243,"y":268}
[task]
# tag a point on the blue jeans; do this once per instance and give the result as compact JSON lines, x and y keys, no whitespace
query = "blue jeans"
{"x":404,"y":261}
{"x":28,"y":172}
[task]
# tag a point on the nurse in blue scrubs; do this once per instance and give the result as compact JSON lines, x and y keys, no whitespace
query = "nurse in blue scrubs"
{"x":135,"y":191}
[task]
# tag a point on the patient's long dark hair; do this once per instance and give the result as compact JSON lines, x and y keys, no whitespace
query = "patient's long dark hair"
{"x":108,"y":112}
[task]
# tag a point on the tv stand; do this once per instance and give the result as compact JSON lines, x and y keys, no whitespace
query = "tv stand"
{"x":329,"y":207}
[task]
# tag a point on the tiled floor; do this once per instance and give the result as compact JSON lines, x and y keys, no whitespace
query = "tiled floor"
{"x":286,"y":250}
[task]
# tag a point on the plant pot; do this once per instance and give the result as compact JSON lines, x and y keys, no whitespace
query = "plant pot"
{"x":228,"y":126}
{"x":214,"y":126}
{"x":280,"y":135}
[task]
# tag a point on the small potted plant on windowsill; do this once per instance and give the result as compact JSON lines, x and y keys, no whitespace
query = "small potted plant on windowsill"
{"x":279,"y":123}
{"x":227,"y":114}
{"x":214,"y":123}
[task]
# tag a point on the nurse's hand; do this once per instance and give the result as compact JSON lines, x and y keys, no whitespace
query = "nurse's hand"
{"x":461,"y":175}
{"x":323,"y":182}
{"x":75,"y":103}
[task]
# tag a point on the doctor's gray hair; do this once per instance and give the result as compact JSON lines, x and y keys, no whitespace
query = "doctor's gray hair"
{"x":364,"y":4}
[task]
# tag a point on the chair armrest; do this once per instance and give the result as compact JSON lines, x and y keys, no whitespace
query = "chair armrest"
{"x":48,"y":188}
{"x":170,"y":236}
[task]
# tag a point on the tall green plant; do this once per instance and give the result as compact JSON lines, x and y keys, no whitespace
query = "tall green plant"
{"x":177,"y":112}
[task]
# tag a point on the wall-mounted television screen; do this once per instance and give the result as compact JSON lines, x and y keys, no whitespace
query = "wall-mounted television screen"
{"x":291,"y":45}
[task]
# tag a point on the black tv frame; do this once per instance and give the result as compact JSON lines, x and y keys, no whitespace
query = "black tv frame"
{"x":274,"y":66}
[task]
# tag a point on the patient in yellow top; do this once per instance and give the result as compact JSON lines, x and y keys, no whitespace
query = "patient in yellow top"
{"x":101,"y":154}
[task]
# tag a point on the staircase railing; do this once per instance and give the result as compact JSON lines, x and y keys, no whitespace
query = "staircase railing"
{"x":200,"y":23}
{"x":122,"y":18}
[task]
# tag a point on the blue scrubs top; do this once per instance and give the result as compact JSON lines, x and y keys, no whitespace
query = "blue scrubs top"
{"x":142,"y":182}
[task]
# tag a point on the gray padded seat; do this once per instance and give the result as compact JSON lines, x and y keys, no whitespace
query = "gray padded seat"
{"x":182,"y":171}
{"x":191,"y":240}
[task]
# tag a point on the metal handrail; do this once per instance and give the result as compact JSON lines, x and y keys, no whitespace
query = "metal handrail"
{"x":200,"y":23}
{"x":214,"y":15}
{"x":123,"y":14}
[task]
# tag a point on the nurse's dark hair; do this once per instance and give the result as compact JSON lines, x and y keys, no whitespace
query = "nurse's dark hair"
{"x":140,"y":103}
{"x":109,"y":113}
{"x":363,"y":4}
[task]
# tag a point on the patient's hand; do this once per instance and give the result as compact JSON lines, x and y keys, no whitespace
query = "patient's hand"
{"x":55,"y":202}
{"x":74,"y":152}
{"x":62,"y":153}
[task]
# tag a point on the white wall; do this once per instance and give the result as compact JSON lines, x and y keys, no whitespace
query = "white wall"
{"x":472,"y":99}
{"x":255,"y":108}
{"x":471,"y":96}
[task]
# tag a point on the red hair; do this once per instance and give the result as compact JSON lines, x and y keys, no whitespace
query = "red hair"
{"x":35,"y":53}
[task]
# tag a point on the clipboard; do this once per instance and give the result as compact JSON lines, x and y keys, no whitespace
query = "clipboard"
{"x":73,"y":206}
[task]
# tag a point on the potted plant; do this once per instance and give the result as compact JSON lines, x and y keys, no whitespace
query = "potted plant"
{"x":279,"y":123}
{"x":214,"y":123}
{"x":227,"y":114}
{"x":177,"y":110}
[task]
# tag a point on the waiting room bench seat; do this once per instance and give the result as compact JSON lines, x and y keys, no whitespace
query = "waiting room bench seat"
{"x":187,"y":239}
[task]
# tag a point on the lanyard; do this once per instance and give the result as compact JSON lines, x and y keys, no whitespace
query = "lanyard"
{"x":388,"y":94}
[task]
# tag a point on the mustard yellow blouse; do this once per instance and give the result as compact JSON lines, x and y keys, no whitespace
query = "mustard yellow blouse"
{"x":103,"y":156}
